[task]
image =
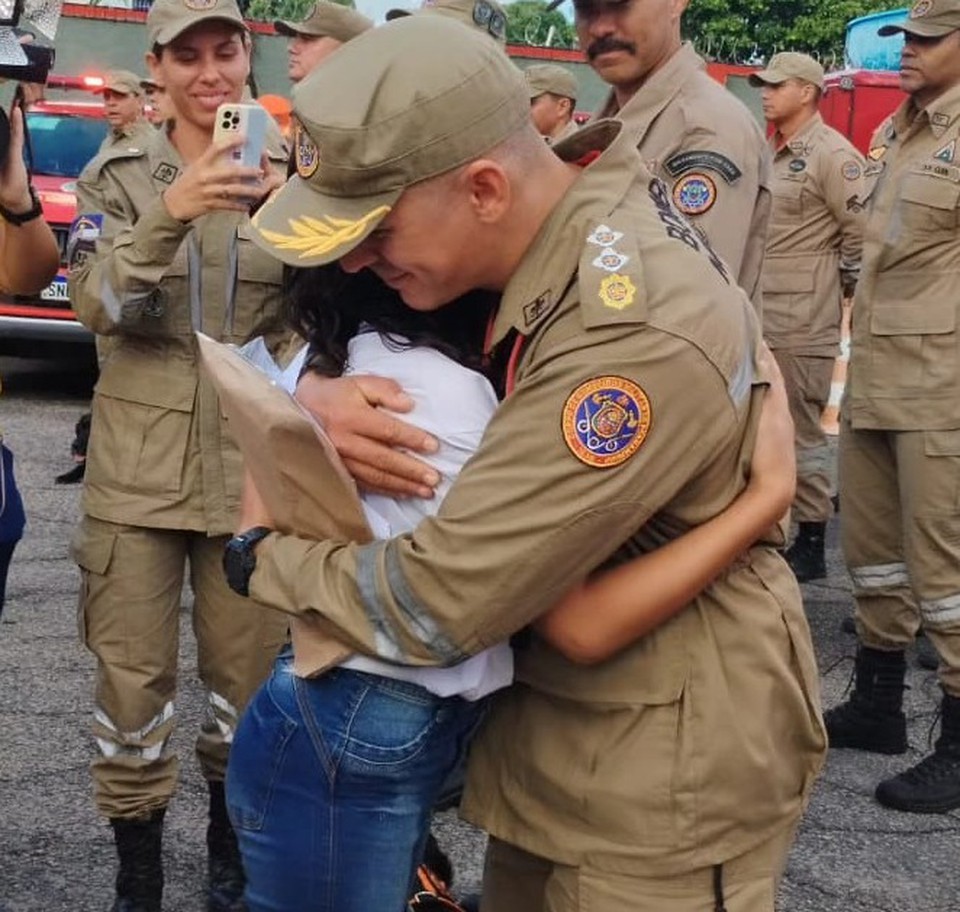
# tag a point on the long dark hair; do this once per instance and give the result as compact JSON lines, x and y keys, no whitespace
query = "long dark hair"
{"x":327,"y":306}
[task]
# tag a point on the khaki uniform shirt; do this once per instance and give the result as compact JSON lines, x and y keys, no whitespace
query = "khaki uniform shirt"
{"x":139,"y":134}
{"x":632,"y":419}
{"x":159,"y":453}
{"x":711,"y":153}
{"x":814,"y":240}
{"x":905,"y":365}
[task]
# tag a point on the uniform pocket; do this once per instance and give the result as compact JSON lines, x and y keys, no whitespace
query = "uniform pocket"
{"x":92,"y":550}
{"x":928,"y":203}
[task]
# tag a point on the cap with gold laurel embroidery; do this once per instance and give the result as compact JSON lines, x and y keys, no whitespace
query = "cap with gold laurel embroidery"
{"x":327,"y":20}
{"x":123,"y":82}
{"x":485,"y":16}
{"x":400,"y":104}
{"x":927,"y":19}
{"x":789,"y":65}
{"x":549,"y":77}
{"x":168,"y":19}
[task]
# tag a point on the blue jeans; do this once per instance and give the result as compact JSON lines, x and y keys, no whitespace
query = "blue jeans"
{"x":330,"y":785}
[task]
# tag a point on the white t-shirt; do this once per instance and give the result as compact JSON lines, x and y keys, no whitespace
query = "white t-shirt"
{"x":454,"y":404}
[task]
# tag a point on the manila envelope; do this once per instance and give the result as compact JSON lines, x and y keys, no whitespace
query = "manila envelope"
{"x":296,"y":469}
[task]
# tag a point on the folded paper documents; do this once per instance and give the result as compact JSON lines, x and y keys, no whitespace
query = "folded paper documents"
{"x":296,"y":469}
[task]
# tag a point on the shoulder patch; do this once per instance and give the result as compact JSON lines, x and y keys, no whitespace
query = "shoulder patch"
{"x":851,"y":170}
{"x":605,"y":420}
{"x":701,"y":160}
{"x":694,"y":193}
{"x":82,"y":239}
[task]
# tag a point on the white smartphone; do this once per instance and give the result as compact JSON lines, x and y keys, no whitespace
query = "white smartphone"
{"x":246,"y":120}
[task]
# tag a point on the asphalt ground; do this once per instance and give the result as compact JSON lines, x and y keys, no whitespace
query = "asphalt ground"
{"x":56,"y":855}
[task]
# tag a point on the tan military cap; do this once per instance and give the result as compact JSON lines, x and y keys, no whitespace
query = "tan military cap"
{"x":327,"y":20}
{"x":487,"y":16}
{"x":928,"y":19}
{"x":789,"y":65}
{"x":549,"y":77}
{"x":123,"y":82}
{"x":402,"y":103}
{"x":169,"y":18}
{"x":147,"y":83}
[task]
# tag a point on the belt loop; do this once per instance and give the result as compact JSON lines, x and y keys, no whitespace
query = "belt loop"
{"x":718,"y":889}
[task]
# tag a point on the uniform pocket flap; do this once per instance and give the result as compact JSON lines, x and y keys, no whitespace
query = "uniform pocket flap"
{"x":170,"y":389}
{"x":916,"y":319}
{"x":92,"y":547}
{"x":927,"y":190}
{"x":786,"y":277}
{"x":941,"y":443}
{"x":253,"y":265}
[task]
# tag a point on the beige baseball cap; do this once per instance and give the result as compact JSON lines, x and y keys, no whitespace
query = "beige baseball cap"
{"x":548,"y":77}
{"x":123,"y":82}
{"x":486,"y":16}
{"x":327,"y":20}
{"x":168,"y":19}
{"x":927,"y":19}
{"x":789,"y":65}
{"x":402,"y":103}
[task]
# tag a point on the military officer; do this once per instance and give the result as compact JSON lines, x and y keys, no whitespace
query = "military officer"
{"x":553,"y":99}
{"x":123,"y":104}
{"x":812,"y":262}
{"x":310,"y":40}
{"x":665,"y":777}
{"x":692,"y":132}
{"x":160,"y":249}
{"x":900,"y":419}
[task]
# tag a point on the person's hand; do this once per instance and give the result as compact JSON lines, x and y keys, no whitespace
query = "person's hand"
{"x":14,"y":183}
{"x":773,"y":468}
{"x":253,"y":511}
{"x":211,"y":183}
{"x":353,"y":412}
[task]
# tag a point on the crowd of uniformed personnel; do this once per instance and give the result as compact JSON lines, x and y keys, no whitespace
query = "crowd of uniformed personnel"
{"x":697,"y":243}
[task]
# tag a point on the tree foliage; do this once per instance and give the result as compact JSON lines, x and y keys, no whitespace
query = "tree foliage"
{"x":530,"y":22}
{"x":744,"y":30}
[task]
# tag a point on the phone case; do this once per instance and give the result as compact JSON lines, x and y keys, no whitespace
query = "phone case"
{"x":247,"y":120}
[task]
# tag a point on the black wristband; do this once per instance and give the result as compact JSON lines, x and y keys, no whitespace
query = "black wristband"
{"x":21,"y":218}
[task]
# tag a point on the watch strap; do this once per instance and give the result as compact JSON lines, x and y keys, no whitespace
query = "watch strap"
{"x":21,"y":218}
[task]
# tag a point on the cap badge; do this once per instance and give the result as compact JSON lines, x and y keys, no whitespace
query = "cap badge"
{"x":920,"y":9}
{"x":200,"y":6}
{"x":605,"y":421}
{"x":694,"y":194}
{"x":319,"y":236}
{"x":617,"y":291}
{"x":611,"y":260}
{"x":306,"y":154}
{"x":604,"y":237}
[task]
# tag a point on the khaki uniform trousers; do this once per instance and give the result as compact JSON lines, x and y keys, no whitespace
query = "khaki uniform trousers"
{"x":517,"y":881}
{"x":900,"y":533}
{"x":807,"y":379}
{"x":132,"y":580}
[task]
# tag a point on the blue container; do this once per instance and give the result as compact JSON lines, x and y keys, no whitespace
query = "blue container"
{"x":866,"y":50}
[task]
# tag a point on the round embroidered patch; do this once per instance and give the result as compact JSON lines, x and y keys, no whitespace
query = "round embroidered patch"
{"x":920,"y":9}
{"x":199,"y":5}
{"x":797,"y":165}
{"x":605,"y":421}
{"x":850,"y":170}
{"x":306,"y":153}
{"x":694,"y":194}
{"x":617,"y":291}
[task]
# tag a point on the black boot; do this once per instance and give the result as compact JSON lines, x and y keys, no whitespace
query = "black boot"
{"x":933,"y":785}
{"x":806,"y":555}
{"x":872,"y":719}
{"x":140,"y":878}
{"x":225,"y":879}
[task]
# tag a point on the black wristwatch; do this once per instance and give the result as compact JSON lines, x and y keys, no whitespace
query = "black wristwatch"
{"x":239,"y":561}
{"x":21,"y":218}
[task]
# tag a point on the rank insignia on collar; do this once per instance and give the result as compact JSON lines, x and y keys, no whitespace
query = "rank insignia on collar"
{"x":604,"y":237}
{"x":605,"y":421}
{"x":611,"y":260}
{"x":876,"y":153}
{"x":694,"y":194}
{"x":851,"y":170}
{"x":617,"y":291}
{"x":939,"y":119}
{"x":797,"y":165}
{"x":166,"y":173}
{"x":796,"y":146}
{"x":535,"y":309}
{"x":947,"y":152}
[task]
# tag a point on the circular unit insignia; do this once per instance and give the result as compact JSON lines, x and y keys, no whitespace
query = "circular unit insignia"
{"x":605,"y":421}
{"x":694,"y":194}
{"x":920,"y":9}
{"x":199,"y":6}
{"x":617,"y":291}
{"x":850,"y":170}
{"x":797,"y":165}
{"x":306,"y":153}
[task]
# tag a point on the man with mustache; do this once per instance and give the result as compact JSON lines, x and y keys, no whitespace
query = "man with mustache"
{"x":691,"y":131}
{"x":900,"y":419}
